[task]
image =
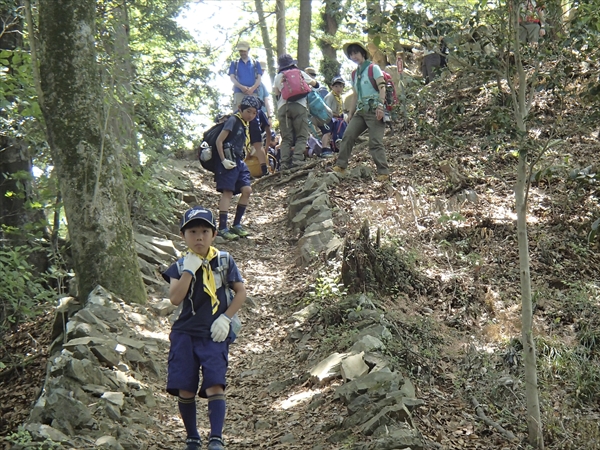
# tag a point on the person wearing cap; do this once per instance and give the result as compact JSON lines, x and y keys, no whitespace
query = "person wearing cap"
{"x":200,"y":336}
{"x":367,"y":111}
{"x":293,"y":116}
{"x":245,"y":74}
{"x":334,"y":101}
{"x":321,"y":90}
{"x":232,"y":174}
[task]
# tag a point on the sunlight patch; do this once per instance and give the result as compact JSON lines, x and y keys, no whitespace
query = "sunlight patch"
{"x":297,"y":399}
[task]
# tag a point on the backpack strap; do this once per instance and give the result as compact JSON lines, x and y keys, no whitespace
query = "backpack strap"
{"x":223,"y":269}
{"x":371,"y":78}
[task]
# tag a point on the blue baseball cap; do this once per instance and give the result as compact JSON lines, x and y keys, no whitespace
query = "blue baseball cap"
{"x":198,"y":213}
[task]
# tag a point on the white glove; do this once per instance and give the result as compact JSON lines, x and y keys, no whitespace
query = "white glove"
{"x":228,"y":164}
{"x":191,"y":263}
{"x":220,"y":328}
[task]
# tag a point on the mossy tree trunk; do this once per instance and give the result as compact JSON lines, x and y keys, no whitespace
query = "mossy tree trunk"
{"x":330,"y":66}
{"x":87,"y":165}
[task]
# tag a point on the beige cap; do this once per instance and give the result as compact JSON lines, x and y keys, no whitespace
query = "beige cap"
{"x":243,"y":45}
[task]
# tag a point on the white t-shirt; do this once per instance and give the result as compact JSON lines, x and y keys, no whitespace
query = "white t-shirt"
{"x":279,"y":85}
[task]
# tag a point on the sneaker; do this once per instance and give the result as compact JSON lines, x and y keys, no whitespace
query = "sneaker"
{"x":327,"y":154}
{"x":382,"y":178}
{"x":339,"y":170}
{"x":193,"y":444}
{"x":226,"y":234}
{"x":239,"y":230}
{"x":216,"y":443}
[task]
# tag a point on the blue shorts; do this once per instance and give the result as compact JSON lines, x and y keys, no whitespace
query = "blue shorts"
{"x":189,"y":354}
{"x":255,"y":132}
{"x":327,"y":128}
{"x":234,"y":179}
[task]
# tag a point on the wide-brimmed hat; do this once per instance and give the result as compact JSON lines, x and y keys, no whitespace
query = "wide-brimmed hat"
{"x":360,"y":44}
{"x":243,"y":45}
{"x":311,"y":71}
{"x":285,"y":60}
{"x":198,"y":213}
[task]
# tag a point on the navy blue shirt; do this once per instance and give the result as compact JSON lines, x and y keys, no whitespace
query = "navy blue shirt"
{"x":246,"y":73}
{"x":199,"y":324}
{"x":236,"y":137}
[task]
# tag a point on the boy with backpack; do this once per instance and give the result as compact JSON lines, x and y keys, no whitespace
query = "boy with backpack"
{"x":367,"y":110}
{"x":292,"y":86}
{"x":337,"y":126}
{"x":200,"y":282}
{"x":231,"y":172}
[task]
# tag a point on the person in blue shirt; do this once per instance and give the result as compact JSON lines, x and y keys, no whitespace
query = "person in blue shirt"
{"x":366,"y":112}
{"x":245,"y":74}
{"x":201,"y":335}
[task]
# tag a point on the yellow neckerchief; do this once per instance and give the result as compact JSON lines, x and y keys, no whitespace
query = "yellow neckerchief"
{"x":208,"y":278}
{"x":338,"y":99}
{"x":247,"y":129}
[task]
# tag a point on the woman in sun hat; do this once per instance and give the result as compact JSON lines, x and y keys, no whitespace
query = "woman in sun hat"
{"x":366,"y":111}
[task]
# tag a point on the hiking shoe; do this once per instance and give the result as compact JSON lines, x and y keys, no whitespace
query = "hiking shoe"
{"x":328,"y":154}
{"x":216,"y":443}
{"x":239,"y":230}
{"x":193,"y":444}
{"x":226,"y":234}
{"x":382,"y":178}
{"x":339,"y":170}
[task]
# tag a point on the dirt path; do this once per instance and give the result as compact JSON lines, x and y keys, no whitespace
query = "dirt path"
{"x":267,"y":405}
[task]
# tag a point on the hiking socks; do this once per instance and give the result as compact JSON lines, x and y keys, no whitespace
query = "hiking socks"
{"x":239,"y":212}
{"x":216,"y":414}
{"x":187,"y":410}
{"x":263,"y":167}
{"x":222,"y":220}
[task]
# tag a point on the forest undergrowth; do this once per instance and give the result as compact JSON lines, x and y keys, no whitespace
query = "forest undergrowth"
{"x":447,"y":218}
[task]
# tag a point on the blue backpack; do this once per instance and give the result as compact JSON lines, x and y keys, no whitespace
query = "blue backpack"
{"x":220,"y":273}
{"x":320,"y":112}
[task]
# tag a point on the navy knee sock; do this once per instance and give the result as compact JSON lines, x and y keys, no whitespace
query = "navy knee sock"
{"x":222,"y":220}
{"x":216,"y":414}
{"x":239,"y":212}
{"x":187,"y":410}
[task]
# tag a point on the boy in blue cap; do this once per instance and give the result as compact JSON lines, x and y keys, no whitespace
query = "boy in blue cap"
{"x":201,"y":335}
{"x":231,"y":173}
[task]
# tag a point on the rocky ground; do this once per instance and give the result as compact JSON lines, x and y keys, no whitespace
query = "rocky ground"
{"x":449,"y":215}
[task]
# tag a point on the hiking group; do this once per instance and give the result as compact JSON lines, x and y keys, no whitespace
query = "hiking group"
{"x":205,"y":283}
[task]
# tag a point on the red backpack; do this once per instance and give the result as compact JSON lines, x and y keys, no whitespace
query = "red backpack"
{"x":390,"y":90}
{"x":294,"y":86}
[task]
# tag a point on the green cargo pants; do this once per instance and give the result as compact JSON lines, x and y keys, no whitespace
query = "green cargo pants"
{"x":361,"y":121}
{"x":293,"y":123}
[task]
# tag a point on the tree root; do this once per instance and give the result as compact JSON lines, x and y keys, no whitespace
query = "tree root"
{"x":479,"y":410}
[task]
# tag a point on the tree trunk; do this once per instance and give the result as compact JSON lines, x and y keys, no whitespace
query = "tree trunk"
{"x":87,"y":165}
{"x":264,"y":31}
{"x":15,"y":163}
{"x":304,"y":29}
{"x":374,"y":20}
{"x":522,"y":106}
{"x":121,"y":120}
{"x":280,"y":17}
{"x":534,"y":422}
{"x":330,"y":66}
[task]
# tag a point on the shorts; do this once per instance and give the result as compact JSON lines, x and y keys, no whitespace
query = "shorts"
{"x":327,"y":128}
{"x":255,"y":132}
{"x":234,"y":179}
{"x":187,"y":355}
